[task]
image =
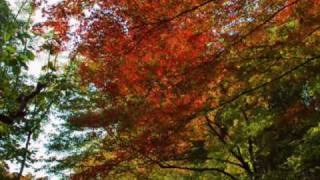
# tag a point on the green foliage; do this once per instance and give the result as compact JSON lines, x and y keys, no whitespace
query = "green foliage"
{"x":26,"y":102}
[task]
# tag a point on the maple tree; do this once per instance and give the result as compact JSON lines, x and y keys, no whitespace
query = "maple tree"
{"x":181,"y":78}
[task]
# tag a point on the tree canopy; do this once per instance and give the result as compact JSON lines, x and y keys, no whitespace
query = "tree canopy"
{"x":192,"y":89}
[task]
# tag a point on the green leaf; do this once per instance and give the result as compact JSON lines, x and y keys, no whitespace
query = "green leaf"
{"x":10,"y":49}
{"x":30,"y":55}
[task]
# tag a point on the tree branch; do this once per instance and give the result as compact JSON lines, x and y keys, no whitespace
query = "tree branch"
{"x":166,"y":20}
{"x":282,"y":75}
{"x":198,"y":169}
{"x":23,"y":101}
{"x":6,"y":119}
{"x":244,"y":165}
{"x":210,"y":158}
{"x":250,"y":142}
{"x":25,"y":154}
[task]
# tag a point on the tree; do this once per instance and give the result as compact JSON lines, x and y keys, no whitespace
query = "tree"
{"x":25,"y":101}
{"x":185,"y":77}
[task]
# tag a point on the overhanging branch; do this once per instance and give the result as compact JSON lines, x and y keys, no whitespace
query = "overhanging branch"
{"x":198,"y":169}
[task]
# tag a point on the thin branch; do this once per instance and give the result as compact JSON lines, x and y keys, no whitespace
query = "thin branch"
{"x":25,"y":155}
{"x":282,"y":75}
{"x":160,"y":23}
{"x":166,"y":20}
{"x":311,"y":33}
{"x":265,"y":22}
{"x":250,"y":142}
{"x":215,"y":131}
{"x":20,"y":10}
{"x":198,"y":169}
{"x":211,"y":158}
{"x":238,"y":156}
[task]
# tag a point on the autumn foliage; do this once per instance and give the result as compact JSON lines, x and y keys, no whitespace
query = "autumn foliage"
{"x":166,"y":64}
